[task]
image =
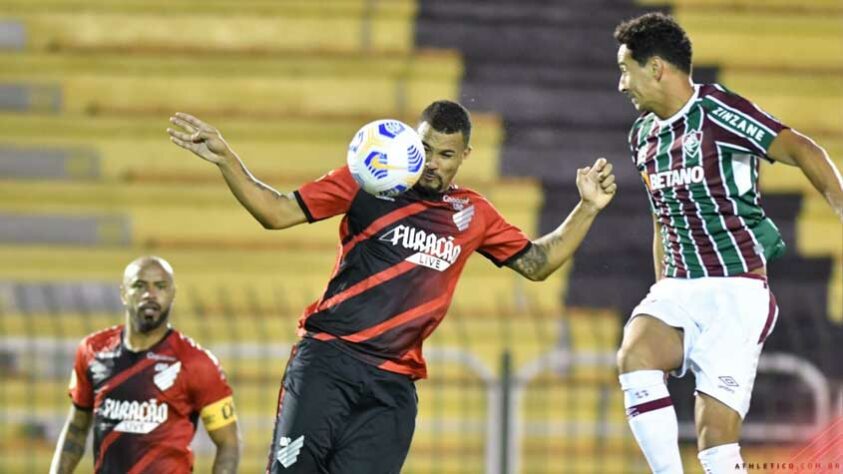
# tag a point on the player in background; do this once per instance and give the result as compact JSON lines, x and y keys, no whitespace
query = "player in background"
{"x":144,"y":385}
{"x":347,"y":401}
{"x":698,"y":148}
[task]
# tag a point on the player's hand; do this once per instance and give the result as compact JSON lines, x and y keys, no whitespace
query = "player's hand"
{"x":596,"y":184}
{"x":199,"y":137}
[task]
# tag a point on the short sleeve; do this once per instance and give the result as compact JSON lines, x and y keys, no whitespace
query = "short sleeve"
{"x":80,"y":389}
{"x":753,"y":126}
{"x":328,"y":196}
{"x":502,"y":242}
{"x":210,"y":393}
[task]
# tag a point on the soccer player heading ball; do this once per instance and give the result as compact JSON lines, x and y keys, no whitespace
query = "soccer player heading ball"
{"x":698,"y":147}
{"x":142,"y":385}
{"x":347,"y":401}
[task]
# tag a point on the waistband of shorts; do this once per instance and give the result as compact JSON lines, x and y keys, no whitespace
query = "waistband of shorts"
{"x":753,"y":276}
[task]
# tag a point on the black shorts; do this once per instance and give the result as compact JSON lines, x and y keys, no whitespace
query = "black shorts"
{"x":338,"y":414}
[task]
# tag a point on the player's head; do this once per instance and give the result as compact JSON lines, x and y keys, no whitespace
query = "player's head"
{"x":147,"y":293}
{"x":653,"y":50}
{"x":445,"y":130}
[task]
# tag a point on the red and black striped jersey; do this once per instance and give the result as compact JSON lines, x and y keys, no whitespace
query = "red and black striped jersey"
{"x":398,"y":263}
{"x":146,"y":404}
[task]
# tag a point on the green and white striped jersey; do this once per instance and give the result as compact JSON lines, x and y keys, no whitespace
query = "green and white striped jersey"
{"x":700,"y":168}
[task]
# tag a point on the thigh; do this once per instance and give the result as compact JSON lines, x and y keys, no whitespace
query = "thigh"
{"x":313,"y":407}
{"x":725,"y":357}
{"x":380,"y":430}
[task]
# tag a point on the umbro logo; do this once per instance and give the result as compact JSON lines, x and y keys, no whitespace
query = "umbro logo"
{"x":288,"y":452}
{"x":729,"y":381}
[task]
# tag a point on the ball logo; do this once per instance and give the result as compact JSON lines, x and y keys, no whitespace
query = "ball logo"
{"x":391,"y":129}
{"x":415,"y":159}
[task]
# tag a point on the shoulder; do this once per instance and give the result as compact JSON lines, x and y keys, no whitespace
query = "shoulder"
{"x":713,"y":96}
{"x":106,"y":339}
{"x":191,"y":352}
{"x":461,"y":198}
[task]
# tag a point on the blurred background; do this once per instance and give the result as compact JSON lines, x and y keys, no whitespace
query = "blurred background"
{"x":522,"y":374}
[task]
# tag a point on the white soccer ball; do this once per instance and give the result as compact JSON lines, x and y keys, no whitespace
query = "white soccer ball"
{"x":386,"y":157}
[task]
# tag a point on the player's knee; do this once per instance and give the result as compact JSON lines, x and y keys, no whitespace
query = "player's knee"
{"x":634,"y":358}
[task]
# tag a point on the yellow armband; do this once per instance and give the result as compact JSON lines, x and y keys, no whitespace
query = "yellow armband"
{"x":218,"y":414}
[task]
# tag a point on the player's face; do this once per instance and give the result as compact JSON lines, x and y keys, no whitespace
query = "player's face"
{"x":147,"y":294}
{"x":444,"y":154}
{"x":636,"y":82}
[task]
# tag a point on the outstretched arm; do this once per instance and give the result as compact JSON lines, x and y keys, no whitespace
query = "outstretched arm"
{"x":227,"y":440}
{"x":793,"y":148}
{"x":597,"y":187}
{"x":71,"y":444}
{"x":274,"y":210}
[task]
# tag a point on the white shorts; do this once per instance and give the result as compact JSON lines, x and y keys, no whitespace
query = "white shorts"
{"x":725,"y":321}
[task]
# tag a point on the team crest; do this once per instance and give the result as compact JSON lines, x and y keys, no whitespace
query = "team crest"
{"x":463,"y":218}
{"x":166,"y":376}
{"x":691,"y":142}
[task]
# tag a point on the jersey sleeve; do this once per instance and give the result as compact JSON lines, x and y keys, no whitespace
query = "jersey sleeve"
{"x":328,"y":196}
{"x":80,"y":389}
{"x":502,"y":242}
{"x":210,"y":393}
{"x":754,"y":127}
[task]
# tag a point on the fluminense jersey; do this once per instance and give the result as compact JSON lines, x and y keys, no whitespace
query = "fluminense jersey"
{"x":146,"y":404}
{"x":398,"y":263}
{"x":700,"y":168}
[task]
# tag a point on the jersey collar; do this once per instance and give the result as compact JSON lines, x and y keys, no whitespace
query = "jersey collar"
{"x":684,"y":110}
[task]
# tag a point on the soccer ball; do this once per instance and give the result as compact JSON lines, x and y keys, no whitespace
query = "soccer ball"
{"x":386,"y":157}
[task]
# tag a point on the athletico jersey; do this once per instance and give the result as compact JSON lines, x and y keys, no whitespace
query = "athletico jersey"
{"x":146,"y":404}
{"x":397,"y":266}
{"x":700,"y":168}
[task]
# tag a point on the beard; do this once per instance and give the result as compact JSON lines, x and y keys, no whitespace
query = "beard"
{"x":148,"y":318}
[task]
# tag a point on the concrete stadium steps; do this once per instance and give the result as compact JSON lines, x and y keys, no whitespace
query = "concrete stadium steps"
{"x":787,"y":179}
{"x":172,"y":216}
{"x":769,"y":37}
{"x":305,"y":84}
{"x":288,"y":150}
{"x":812,"y":6}
{"x":801,"y":98}
{"x":344,"y":26}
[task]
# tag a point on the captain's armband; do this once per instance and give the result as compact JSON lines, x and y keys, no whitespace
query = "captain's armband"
{"x":218,"y":414}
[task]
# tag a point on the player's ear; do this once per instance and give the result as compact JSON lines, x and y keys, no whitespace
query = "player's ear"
{"x":656,"y":67}
{"x":123,"y":298}
{"x":466,"y":152}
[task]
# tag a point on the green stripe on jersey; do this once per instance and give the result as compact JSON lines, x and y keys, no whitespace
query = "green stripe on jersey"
{"x":678,"y":220}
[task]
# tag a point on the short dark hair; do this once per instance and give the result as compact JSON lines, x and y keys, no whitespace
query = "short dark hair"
{"x":656,"y":34}
{"x":446,"y":116}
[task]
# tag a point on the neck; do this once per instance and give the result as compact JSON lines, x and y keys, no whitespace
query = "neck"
{"x":137,"y":341}
{"x":675,"y":97}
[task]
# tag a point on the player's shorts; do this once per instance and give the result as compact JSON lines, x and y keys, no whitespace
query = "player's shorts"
{"x":339,"y":414}
{"x":725,"y":323}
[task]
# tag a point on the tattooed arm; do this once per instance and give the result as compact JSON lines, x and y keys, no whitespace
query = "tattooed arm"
{"x":71,"y":445}
{"x":597,"y":188}
{"x":227,"y":440}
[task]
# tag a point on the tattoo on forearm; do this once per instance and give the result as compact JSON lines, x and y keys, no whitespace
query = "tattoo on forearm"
{"x":532,"y":262}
